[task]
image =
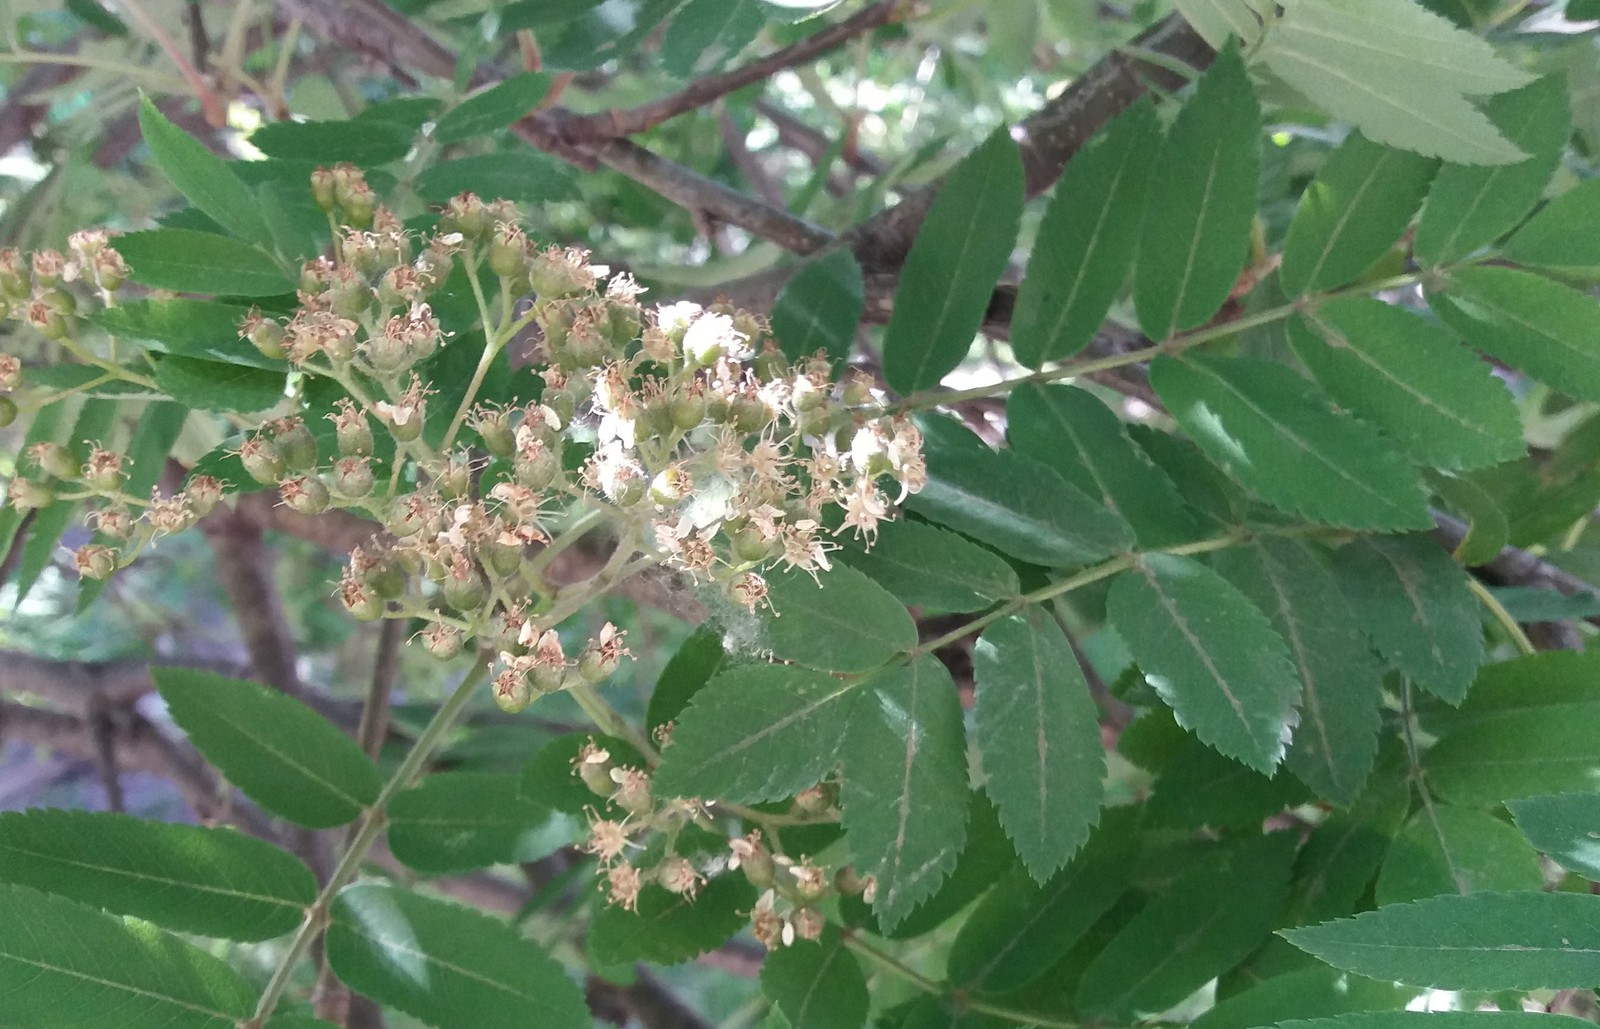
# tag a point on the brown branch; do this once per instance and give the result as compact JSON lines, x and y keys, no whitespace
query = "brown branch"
{"x":385,"y":665}
{"x":244,"y":566}
{"x":702,"y":91}
{"x":1514,"y":566}
{"x":137,"y":745}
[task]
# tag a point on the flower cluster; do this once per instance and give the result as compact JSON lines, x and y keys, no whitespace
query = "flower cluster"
{"x":792,"y":891}
{"x":684,"y":428}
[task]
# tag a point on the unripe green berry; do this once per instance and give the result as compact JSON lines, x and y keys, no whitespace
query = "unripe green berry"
{"x":464,"y":588}
{"x":295,"y":444}
{"x":306,"y":494}
{"x":443,"y":641}
{"x":8,"y":411}
{"x":56,"y":460}
{"x":262,"y":461}
{"x":29,"y":495}
{"x":352,"y":478}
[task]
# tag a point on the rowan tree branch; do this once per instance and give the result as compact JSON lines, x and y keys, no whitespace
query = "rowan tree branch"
{"x":244,"y":566}
{"x":705,"y":90}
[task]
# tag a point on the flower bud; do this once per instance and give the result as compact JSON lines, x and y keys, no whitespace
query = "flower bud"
{"x":204,"y":493}
{"x":467,"y":215}
{"x":28,"y":495}
{"x":408,"y":517}
{"x":508,"y":252}
{"x":464,"y":586}
{"x":10,"y":372}
{"x":594,"y":768}
{"x":295,"y":444}
{"x":16,"y":279}
{"x":808,"y":923}
{"x":45,"y":319}
{"x":323,"y":189}
{"x":306,"y":494}
{"x":677,"y":875}
{"x":48,"y":268}
{"x":266,"y":336}
{"x":512,"y":690}
{"x":352,"y":478}
{"x":56,"y":460}
{"x":443,"y":641}
{"x":633,"y":791}
{"x":95,"y":561}
{"x":454,"y":481}
{"x":261,"y":460}
{"x":103,"y":471}
{"x":361,"y":600}
{"x":113,"y":523}
{"x":352,"y":434}
{"x":493,"y":426}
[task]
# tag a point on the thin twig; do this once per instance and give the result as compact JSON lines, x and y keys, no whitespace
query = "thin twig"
{"x":210,"y":102}
{"x":385,"y":664}
{"x":703,"y":91}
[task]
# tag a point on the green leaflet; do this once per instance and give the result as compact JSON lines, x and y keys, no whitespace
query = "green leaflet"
{"x":667,"y":928}
{"x":1198,"y":788}
{"x":493,"y":108}
{"x":1402,"y":373}
{"x":905,"y":785}
{"x":1416,"y":607}
{"x":817,"y":984}
{"x":1279,"y":436}
{"x":951,"y":270}
{"x":1191,"y":931}
{"x":1017,"y":505}
{"x":706,"y":34}
{"x":63,"y":963}
{"x":1471,"y":205}
{"x":1362,"y":199}
{"x":757,"y":732}
{"x":1563,"y":825}
{"x":1548,"y":330}
{"x":588,"y":36}
{"x":1021,"y":928}
{"x":841,"y":621}
{"x":525,"y":177}
{"x":1210,"y":654}
{"x":1216,"y":20}
{"x":820,"y":308}
{"x":198,"y":262}
{"x":192,"y":328}
{"x":1319,"y":991}
{"x":1398,"y":72}
{"x":1075,"y":433}
{"x":1196,"y":231}
{"x":1561,"y":236}
{"x":213,"y":882}
{"x":280,"y":753}
{"x":1336,"y":739}
{"x":934,"y":568}
{"x":205,"y":179}
{"x":213,"y":386}
{"x":1480,"y":941}
{"x":696,"y":660}
{"x":1488,"y":531}
{"x":448,"y":965}
{"x":458,"y":821}
{"x":985,"y":856}
{"x":1449,"y":849}
{"x":365,"y":143}
{"x":1530,"y":726}
{"x":1086,"y":240}
{"x":1039,"y":735}
{"x":1214,"y":501}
